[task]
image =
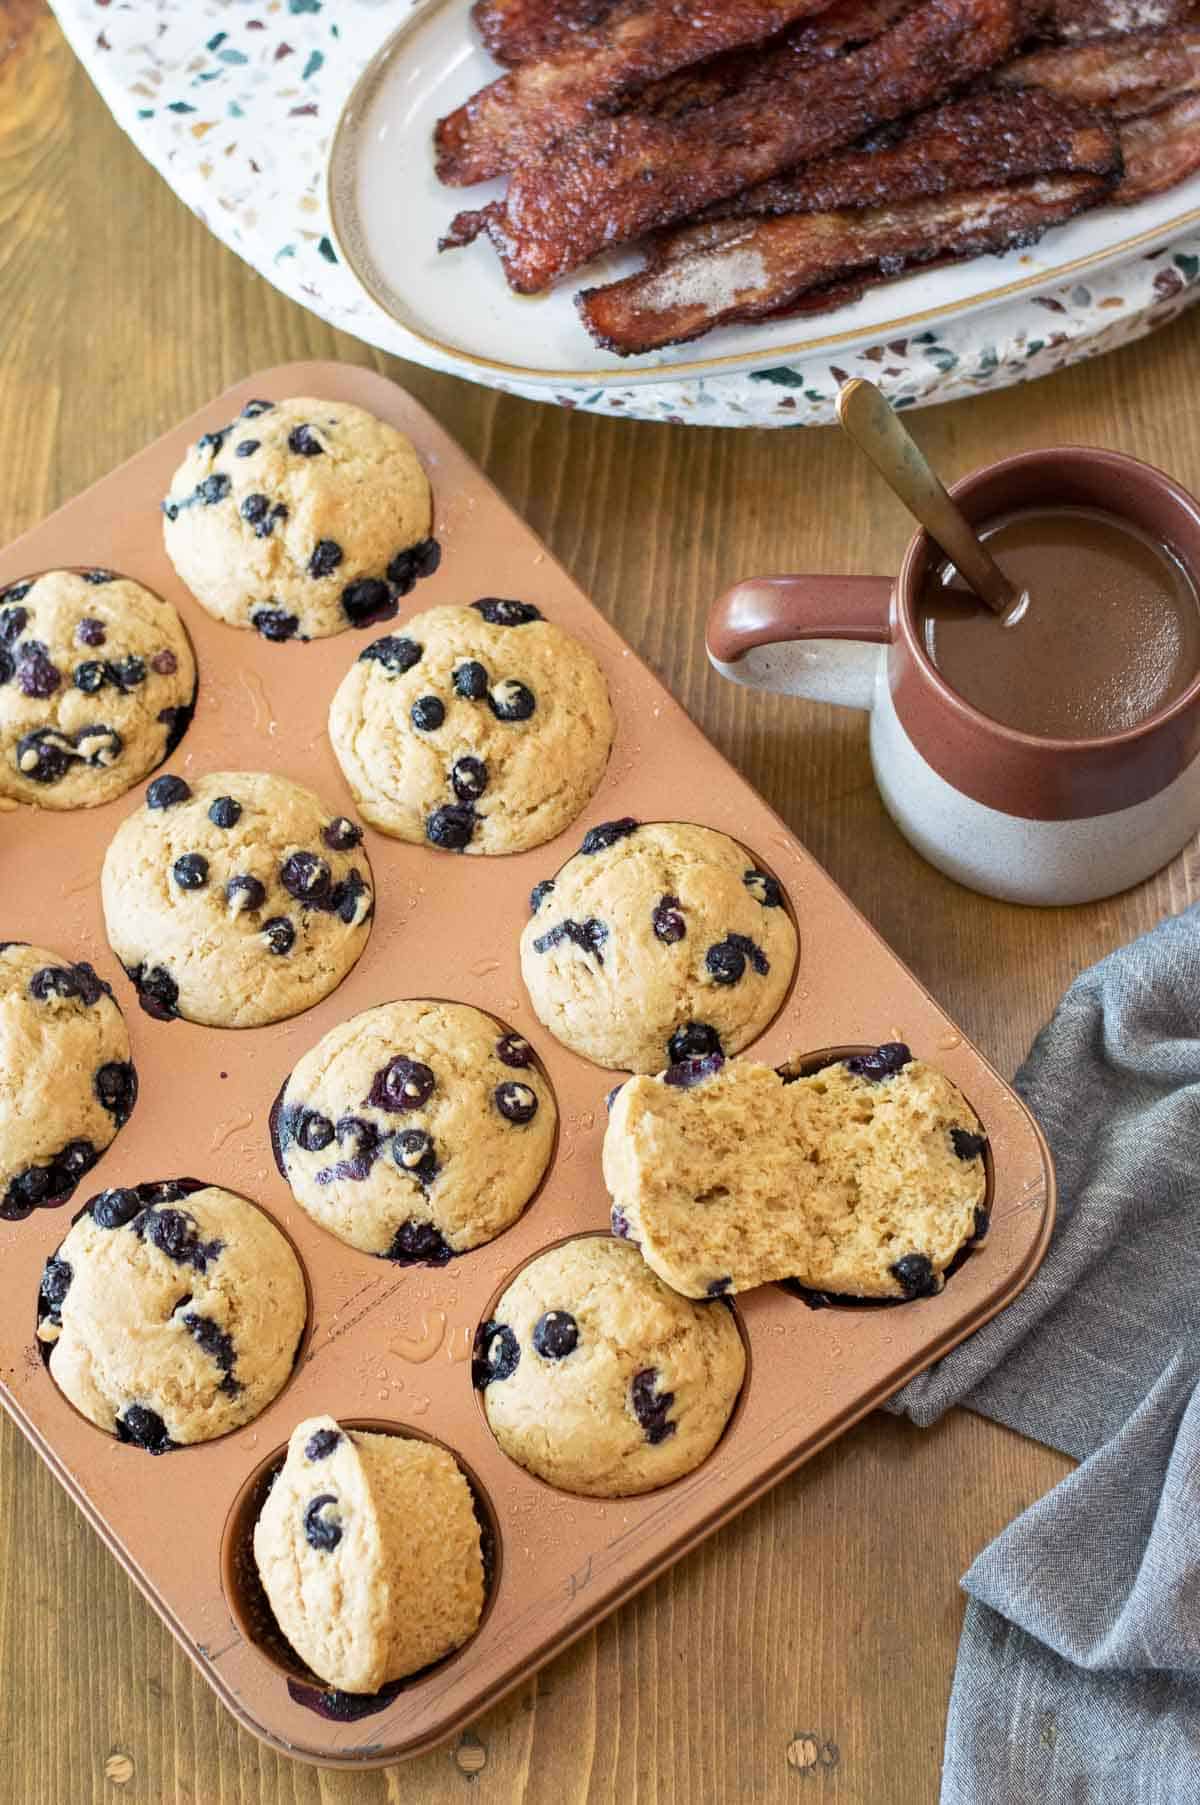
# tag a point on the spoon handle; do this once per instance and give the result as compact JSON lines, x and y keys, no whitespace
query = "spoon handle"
{"x":876,"y":429}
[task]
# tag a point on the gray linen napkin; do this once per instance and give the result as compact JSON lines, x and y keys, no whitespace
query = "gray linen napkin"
{"x":1078,"y":1674}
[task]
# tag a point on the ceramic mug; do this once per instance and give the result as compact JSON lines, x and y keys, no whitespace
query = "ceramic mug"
{"x":1027,"y":819}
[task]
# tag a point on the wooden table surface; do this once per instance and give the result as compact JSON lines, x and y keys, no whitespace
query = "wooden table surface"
{"x":806,"y":1652}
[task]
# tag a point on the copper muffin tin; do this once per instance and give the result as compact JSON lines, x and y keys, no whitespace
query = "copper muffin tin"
{"x":392,"y":1345}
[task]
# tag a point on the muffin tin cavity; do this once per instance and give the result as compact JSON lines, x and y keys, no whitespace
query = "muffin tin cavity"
{"x":173,"y":1312}
{"x":657,"y":942}
{"x":416,"y":1131}
{"x":251,"y":1610}
{"x":598,"y":1379}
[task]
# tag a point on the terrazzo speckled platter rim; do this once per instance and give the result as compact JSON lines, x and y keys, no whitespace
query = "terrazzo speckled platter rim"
{"x":392,"y":1343}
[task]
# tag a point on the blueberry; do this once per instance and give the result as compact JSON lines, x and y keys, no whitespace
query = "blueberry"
{"x":414,"y":1153}
{"x":511,"y":701}
{"x":302,"y":442}
{"x":327,"y":555}
{"x":90,"y":676}
{"x":555,"y":1335}
{"x":158,"y":993}
{"x":225,"y":812}
{"x":667,"y":920}
{"x":539,"y":893}
{"x":217,"y":1343}
{"x":967,"y":1146}
{"x":314,"y":1131}
{"x":321,"y":1532}
{"x":165,"y":663}
{"x":99,"y":745}
{"x":420,"y":560}
{"x":764,"y":888}
{"x":516,"y":1102}
{"x":514,"y":1050}
{"x":650,"y":1406}
{"x":726,"y":961}
{"x":113,"y":1209}
{"x":244,"y":892}
{"x":52,"y":981}
{"x":176,"y":721}
{"x":366,"y":601}
{"x":36,"y":676}
{"x":214,"y":488}
{"x":245,"y":448}
{"x":345,"y":899}
{"x":190,"y":871}
{"x":419,"y":1244}
{"x":262,"y":514}
{"x":620,"y":1224}
{"x":126,"y":673}
{"x":176,"y":1233}
{"x":165,"y":792}
{"x":306,"y":877}
{"x":718,"y":1287}
{"x":687,"y":1072}
{"x":320,"y":1445}
{"x":88,"y":985}
{"x":213,"y":441}
{"x":395,"y":653}
{"x":144,"y":1428}
{"x":42,"y":757}
{"x":360,"y":1140}
{"x":253,"y":409}
{"x":56,"y":1282}
{"x":7,"y":667}
{"x":982,"y":1223}
{"x":915,"y":1276}
{"x":171,"y":508}
{"x":280,"y":934}
{"x":500,"y":613}
{"x":884,"y":1062}
{"x":98,"y":576}
{"x":115,"y":1084}
{"x":589,"y":936}
{"x":607,"y":833}
{"x":468,"y":778}
{"x":402,"y":1084}
{"x":451,"y":826}
{"x":613,"y":1094}
{"x":90,"y":632}
{"x":497,"y":1354}
{"x":275,"y":623}
{"x":13,"y":621}
{"x":341,"y":835}
{"x":695,"y":1040}
{"x":470,"y":681}
{"x":427,"y":714}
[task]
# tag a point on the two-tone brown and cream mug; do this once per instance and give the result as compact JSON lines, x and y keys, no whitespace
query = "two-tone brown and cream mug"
{"x":1019,"y":815}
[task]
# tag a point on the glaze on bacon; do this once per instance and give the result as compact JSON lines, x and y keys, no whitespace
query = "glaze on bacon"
{"x":1121,"y":73}
{"x":520,"y":31}
{"x":615,"y":179}
{"x":988,"y":138}
{"x":1160,"y":149}
{"x":641,"y":40}
{"x":769,"y":265}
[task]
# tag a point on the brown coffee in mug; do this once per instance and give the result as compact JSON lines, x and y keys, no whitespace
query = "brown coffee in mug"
{"x":1106,"y":633}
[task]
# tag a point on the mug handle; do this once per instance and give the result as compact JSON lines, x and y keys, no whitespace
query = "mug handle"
{"x":817,"y":637}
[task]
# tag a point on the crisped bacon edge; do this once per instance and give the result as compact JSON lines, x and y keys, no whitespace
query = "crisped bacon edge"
{"x":771,"y":263}
{"x":537,"y":103}
{"x":1160,"y":150}
{"x":520,"y":31}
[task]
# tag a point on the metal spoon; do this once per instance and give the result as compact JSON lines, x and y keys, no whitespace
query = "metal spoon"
{"x":876,"y":429}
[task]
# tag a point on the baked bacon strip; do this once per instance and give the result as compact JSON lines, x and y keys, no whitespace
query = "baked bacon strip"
{"x":1068,"y":21}
{"x":1122,"y":73}
{"x":988,"y":138}
{"x":770,"y":264}
{"x":616,"y":179}
{"x":641,"y":40}
{"x":1160,"y":149}
{"x":520,"y":31}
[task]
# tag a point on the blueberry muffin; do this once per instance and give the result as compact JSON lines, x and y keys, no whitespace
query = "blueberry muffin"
{"x":300,"y":518}
{"x":172,"y":1313}
{"x":657,"y":943}
{"x":599,"y":1378}
{"x":864,"y":1179}
{"x":415,"y":1130}
{"x":482,"y":729}
{"x":97,"y":685}
{"x":66,"y":1081}
{"x":368,"y":1549}
{"x":236,"y":899}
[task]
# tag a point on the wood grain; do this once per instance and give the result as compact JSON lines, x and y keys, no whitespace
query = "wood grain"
{"x":807,"y":1650}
